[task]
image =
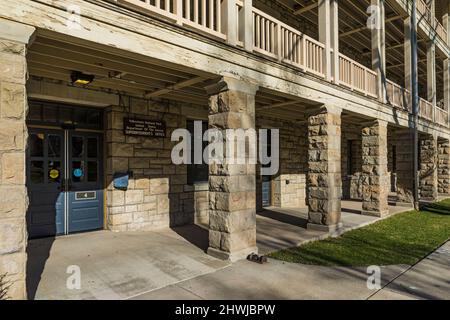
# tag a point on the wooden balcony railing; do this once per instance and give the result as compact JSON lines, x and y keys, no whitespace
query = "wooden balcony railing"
{"x":277,"y":40}
{"x":440,"y":30}
{"x":205,"y":15}
{"x":398,"y":96}
{"x":357,"y":77}
{"x":424,"y":10}
{"x":441,"y":117}
{"x":425,"y":109}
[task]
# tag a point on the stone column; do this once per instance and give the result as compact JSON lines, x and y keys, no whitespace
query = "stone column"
{"x":444,"y":167}
{"x":232,"y":197}
{"x":14,"y":38}
{"x":428,"y":176}
{"x":324,"y":170}
{"x":405,"y":167}
{"x":374,"y":169}
{"x":379,"y":50}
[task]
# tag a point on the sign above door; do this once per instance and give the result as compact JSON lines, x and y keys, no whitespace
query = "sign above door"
{"x":143,"y":127}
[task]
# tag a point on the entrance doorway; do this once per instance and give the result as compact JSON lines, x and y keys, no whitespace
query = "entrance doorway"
{"x":65,"y":181}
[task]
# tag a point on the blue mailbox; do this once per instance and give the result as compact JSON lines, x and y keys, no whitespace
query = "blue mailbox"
{"x":121,"y":180}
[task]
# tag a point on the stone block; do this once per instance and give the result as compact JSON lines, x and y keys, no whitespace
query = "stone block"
{"x":13,"y":168}
{"x":12,"y":235}
{"x":12,"y":100}
{"x":134,"y":196}
{"x":11,"y":135}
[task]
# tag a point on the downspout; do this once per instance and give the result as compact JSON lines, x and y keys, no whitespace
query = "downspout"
{"x":415,"y":103}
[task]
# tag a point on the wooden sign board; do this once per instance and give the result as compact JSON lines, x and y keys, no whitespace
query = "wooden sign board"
{"x":144,"y":128}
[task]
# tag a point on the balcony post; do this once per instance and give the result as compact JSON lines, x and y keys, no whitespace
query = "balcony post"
{"x":432,"y":4}
{"x":408,"y":66}
{"x":178,"y":11}
{"x":431,"y":75}
{"x":325,"y":35}
{"x":446,"y":24}
{"x":379,"y":50}
{"x":335,"y":40}
{"x":229,"y":21}
{"x":246,"y":25}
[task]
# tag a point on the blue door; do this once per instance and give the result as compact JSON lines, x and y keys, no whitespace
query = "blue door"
{"x":45,"y":181}
{"x":85,"y":189}
{"x":64,"y":179}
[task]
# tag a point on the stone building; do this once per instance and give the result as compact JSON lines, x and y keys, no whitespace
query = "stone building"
{"x":74,"y":73}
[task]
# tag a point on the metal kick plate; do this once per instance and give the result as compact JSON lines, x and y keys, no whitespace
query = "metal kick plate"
{"x":90,"y":195}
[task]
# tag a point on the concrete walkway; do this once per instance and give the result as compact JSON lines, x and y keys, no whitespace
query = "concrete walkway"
{"x":429,"y":279}
{"x":126,"y":265}
{"x":116,"y":266}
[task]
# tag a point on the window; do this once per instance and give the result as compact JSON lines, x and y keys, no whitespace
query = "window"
{"x":49,"y":113}
{"x":197,"y":173}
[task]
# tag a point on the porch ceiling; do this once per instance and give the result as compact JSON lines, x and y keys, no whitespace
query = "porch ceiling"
{"x":53,"y":59}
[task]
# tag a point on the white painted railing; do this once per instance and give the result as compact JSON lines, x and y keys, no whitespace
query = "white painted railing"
{"x":441,"y":117}
{"x":440,"y":30}
{"x":425,"y":109}
{"x":314,"y":52}
{"x":265,"y":33}
{"x":424,"y":10}
{"x":203,"y":15}
{"x":278,"y":40}
{"x":398,"y":96}
{"x":161,"y":7}
{"x":357,"y":77}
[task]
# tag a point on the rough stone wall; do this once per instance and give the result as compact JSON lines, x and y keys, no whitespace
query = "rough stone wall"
{"x":201,"y":203}
{"x":158,"y":195}
{"x":374,"y":169}
{"x":13,"y":193}
{"x":232,"y":196}
{"x":289,"y":185}
{"x":444,"y":167}
{"x":324,"y":172}
{"x":428,"y":173}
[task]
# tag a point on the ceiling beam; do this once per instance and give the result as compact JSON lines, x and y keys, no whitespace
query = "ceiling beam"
{"x":306,"y":8}
{"x":174,"y":87}
{"x":278,"y":105}
{"x":344,"y":34}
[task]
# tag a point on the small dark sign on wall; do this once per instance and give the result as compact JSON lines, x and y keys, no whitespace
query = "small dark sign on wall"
{"x":144,"y":128}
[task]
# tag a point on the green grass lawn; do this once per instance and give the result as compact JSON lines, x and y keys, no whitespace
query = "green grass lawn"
{"x":401,"y":239}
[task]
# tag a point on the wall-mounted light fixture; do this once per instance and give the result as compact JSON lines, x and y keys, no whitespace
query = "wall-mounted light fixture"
{"x":80,"y":78}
